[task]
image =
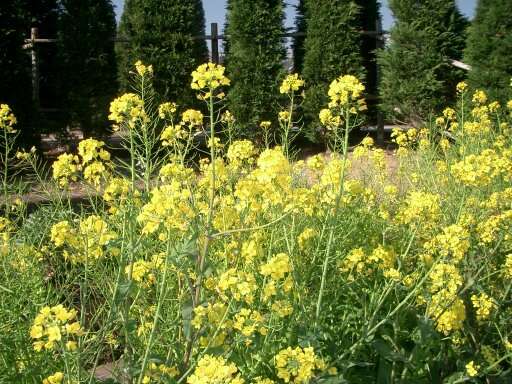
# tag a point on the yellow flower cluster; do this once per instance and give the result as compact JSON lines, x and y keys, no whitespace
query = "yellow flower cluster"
{"x":192,"y":118}
{"x":483,"y":305}
{"x":167,"y":110}
{"x":95,"y":160}
{"x":305,"y":238}
{"x":117,"y":193}
{"x":345,"y":91}
{"x":298,"y":365}
{"x":127,"y":109}
{"x":215,"y":370}
{"x":142,"y":69}
{"x":66,"y":168}
{"x":329,"y":120}
{"x":55,"y":326}
{"x":482,"y":169}
{"x":507,"y":267}
{"x":420,"y":208}
{"x":472,"y":369}
{"x":172,"y":135}
{"x":169,"y":208}
{"x":241,"y":152}
{"x":239,"y":284}
{"x":207,"y":78}
{"x":445,"y":307}
{"x":292,"y":83}
{"x":358,"y":262}
{"x":159,"y":373}
{"x":453,"y":242}
{"x":249,"y":321}
{"x":277,"y":267}
{"x":56,"y":378}
{"x":85,"y":244}
{"x":489,"y":230}
{"x":144,"y":272}
{"x":7,"y":118}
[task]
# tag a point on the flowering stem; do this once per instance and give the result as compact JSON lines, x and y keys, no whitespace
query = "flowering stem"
{"x":333,"y":216}
{"x":157,"y":313}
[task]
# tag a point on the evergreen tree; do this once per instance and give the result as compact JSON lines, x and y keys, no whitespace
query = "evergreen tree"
{"x":489,"y":48}
{"x":16,"y":19}
{"x":14,"y":61}
{"x":417,"y":77}
{"x":88,"y":62}
{"x":164,"y":33}
{"x":298,"y":41}
{"x":332,"y":48}
{"x":254,"y":60}
{"x":369,"y":16}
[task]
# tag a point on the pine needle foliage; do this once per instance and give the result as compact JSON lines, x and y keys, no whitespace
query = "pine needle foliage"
{"x":489,"y":48}
{"x":88,"y":62}
{"x":254,"y":61}
{"x":332,"y":48}
{"x":164,"y":33}
{"x":417,"y":77}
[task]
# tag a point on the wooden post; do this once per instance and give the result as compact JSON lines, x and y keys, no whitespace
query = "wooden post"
{"x":380,"y":116}
{"x":215,"y":43}
{"x":35,"y":67}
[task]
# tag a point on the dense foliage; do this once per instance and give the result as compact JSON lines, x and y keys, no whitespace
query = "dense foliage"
{"x":254,"y":60}
{"x":489,"y":48}
{"x":16,"y":19}
{"x":164,"y":34}
{"x":417,"y":76}
{"x":298,"y":41}
{"x":361,"y":267}
{"x":87,"y":62}
{"x":332,"y":45}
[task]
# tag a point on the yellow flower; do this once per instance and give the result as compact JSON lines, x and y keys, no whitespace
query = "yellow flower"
{"x":209,"y":77}
{"x":215,"y":370}
{"x":240,"y":151}
{"x":345,"y":90}
{"x":66,"y":168}
{"x":265,"y":125}
{"x":7,"y":118}
{"x":142,"y":69}
{"x":167,"y":110}
{"x":277,"y":267}
{"x":128,"y":108}
{"x":305,"y":238}
{"x":284,"y":116}
{"x":462,"y":87}
{"x":329,"y":120}
{"x":297,"y":365}
{"x":479,"y":97}
{"x":472,"y":369}
{"x":56,"y":378}
{"x":192,"y":117}
{"x":292,"y":83}
{"x":483,"y":305}
{"x":227,"y":118}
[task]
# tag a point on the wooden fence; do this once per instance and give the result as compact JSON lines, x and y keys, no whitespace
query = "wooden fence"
{"x":214,"y":36}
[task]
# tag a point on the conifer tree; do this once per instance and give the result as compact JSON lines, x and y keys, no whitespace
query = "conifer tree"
{"x":16,"y":19}
{"x":88,"y":62}
{"x":417,"y":77}
{"x":14,"y":62}
{"x":254,"y":60}
{"x":332,"y":48}
{"x":298,"y":41}
{"x":489,"y":48}
{"x":164,"y":33}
